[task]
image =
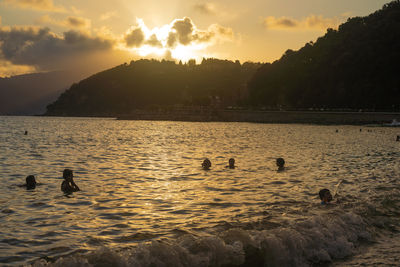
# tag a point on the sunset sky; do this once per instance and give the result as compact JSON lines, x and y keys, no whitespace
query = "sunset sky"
{"x":45,"y":35}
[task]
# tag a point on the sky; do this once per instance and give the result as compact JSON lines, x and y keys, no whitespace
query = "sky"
{"x":47,"y":35}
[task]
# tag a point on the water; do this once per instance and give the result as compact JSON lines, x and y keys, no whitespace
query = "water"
{"x":145,"y":200}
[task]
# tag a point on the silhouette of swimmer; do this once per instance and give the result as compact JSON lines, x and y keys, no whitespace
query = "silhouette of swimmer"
{"x":280,"y":162}
{"x":231,"y":163}
{"x":30,"y":182}
{"x":26,"y":133}
{"x":68,"y":185}
{"x":206,"y":164}
{"x":325,"y":196}
{"x":398,"y":138}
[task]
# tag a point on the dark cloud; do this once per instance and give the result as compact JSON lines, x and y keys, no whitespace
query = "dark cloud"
{"x":153,"y":41}
{"x":77,"y":22}
{"x":172,"y":39}
{"x":184,"y":30}
{"x":43,"y":49}
{"x":135,"y":38}
{"x":282,"y":22}
{"x":287,"y":22}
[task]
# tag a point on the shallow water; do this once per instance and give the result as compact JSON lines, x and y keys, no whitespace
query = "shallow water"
{"x":145,"y":200}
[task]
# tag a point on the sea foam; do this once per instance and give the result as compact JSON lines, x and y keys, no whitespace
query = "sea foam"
{"x":320,"y":239}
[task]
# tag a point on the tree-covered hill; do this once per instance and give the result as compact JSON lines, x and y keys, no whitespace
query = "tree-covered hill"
{"x":355,"y":66}
{"x":145,"y":84}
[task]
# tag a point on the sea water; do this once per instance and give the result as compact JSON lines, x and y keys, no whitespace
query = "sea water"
{"x":145,"y":201}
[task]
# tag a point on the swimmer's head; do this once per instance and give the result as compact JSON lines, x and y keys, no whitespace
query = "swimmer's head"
{"x":280,"y":162}
{"x":231,"y":163}
{"x":67,"y":174}
{"x":206,"y":164}
{"x":30,"y":182}
{"x":325,"y":195}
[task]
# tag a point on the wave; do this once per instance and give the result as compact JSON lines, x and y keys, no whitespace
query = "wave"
{"x":320,"y":239}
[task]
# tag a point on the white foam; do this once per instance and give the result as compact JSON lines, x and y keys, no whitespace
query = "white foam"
{"x":320,"y":239}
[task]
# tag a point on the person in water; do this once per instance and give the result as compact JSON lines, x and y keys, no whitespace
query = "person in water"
{"x":325,"y":196}
{"x":68,"y":185}
{"x":231,"y":163}
{"x":206,"y":164}
{"x":30,"y":182}
{"x":280,"y":162}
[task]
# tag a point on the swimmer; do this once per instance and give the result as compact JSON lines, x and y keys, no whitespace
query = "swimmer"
{"x":30,"y":182}
{"x":68,"y":185}
{"x":26,"y":133}
{"x":206,"y":164}
{"x":231,"y":163}
{"x":325,"y":196}
{"x":398,"y":138}
{"x":280,"y":162}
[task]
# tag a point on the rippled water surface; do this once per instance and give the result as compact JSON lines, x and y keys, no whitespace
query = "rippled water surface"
{"x":144,"y":192}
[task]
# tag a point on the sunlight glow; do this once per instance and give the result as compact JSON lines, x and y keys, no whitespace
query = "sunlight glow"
{"x":146,"y":50}
{"x":193,"y":50}
{"x":184,"y":53}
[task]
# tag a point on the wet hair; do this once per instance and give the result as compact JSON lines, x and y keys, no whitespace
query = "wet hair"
{"x":322,"y":193}
{"x":30,"y":182}
{"x":206,"y":164}
{"x":280,"y":162}
{"x":67,"y":173}
{"x":231,"y":160}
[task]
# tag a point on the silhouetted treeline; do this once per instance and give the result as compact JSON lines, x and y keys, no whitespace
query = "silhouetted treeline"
{"x":146,"y":84}
{"x":356,"y":66}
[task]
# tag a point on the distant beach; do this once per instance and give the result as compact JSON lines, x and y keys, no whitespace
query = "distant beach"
{"x":302,"y":117}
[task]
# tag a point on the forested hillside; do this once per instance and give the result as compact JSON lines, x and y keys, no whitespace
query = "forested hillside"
{"x":146,"y":84}
{"x":354,"y":67}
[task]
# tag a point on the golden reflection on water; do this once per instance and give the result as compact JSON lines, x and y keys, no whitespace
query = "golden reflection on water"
{"x":142,"y":180}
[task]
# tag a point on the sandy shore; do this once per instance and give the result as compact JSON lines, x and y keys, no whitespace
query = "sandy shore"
{"x":305,"y":117}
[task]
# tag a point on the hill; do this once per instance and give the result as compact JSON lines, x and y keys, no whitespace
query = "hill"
{"x":353,"y":67}
{"x":152,"y":84}
{"x":29,"y":94}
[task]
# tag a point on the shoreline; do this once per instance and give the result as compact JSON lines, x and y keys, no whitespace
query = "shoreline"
{"x":299,"y":117}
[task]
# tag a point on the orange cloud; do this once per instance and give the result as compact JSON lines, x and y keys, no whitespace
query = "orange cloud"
{"x":46,"y":5}
{"x":312,"y":22}
{"x":8,"y":69}
{"x":69,"y":22}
